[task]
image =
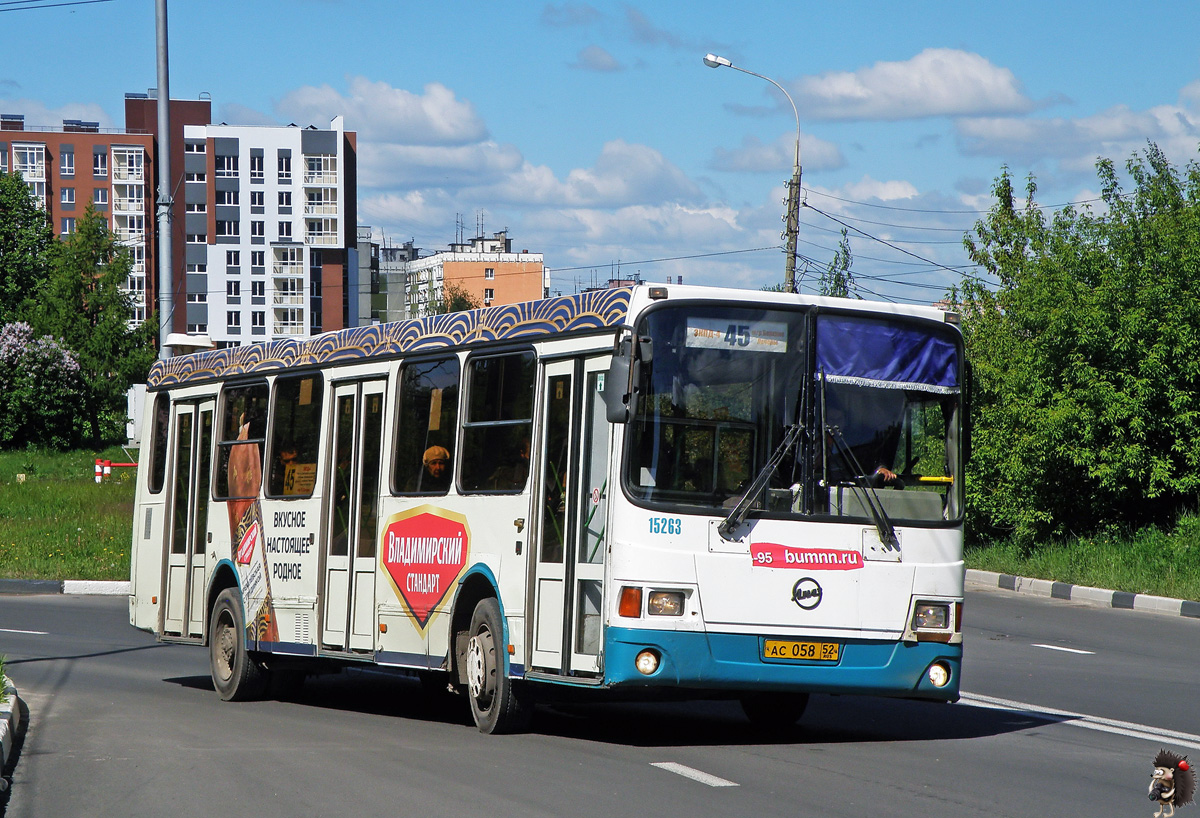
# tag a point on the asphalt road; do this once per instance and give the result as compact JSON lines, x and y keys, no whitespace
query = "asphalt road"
{"x":121,"y":725}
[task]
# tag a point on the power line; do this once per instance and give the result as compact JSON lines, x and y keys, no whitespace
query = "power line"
{"x":43,"y":5}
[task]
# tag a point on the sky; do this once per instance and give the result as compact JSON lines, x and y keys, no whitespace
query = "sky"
{"x":594,"y":133}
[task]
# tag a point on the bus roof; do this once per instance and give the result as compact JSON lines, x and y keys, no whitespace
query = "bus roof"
{"x":587,"y":312}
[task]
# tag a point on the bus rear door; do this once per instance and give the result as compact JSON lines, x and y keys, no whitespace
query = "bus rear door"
{"x":183,"y":574}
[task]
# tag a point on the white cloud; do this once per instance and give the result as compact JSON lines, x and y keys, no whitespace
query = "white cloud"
{"x":38,"y":115}
{"x":595,"y":58}
{"x":381,"y":112}
{"x":389,"y":165}
{"x":889,"y":191}
{"x":936,"y":82}
{"x":755,"y":156}
{"x":569,"y":14}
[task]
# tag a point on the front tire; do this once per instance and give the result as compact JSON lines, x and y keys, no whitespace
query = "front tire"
{"x":236,"y":674}
{"x":499,"y":704}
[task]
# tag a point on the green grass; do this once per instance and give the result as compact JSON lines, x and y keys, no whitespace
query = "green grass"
{"x":58,"y":523}
{"x":1149,"y":561}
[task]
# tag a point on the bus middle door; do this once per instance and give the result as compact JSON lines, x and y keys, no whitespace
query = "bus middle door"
{"x":571,"y":503}
{"x":348,"y":609}
{"x":183,"y":580}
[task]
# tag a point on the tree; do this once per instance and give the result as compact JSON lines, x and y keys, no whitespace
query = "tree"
{"x":41,"y":391}
{"x":25,"y":239}
{"x":1085,"y":402}
{"x":838,"y":280}
{"x":83,"y":304}
{"x":457,"y":299}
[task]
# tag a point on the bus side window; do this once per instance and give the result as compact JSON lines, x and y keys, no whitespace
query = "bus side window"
{"x":498,"y":424}
{"x":426,"y":428}
{"x":158,"y":443}
{"x":243,"y":431}
{"x":295,"y":430}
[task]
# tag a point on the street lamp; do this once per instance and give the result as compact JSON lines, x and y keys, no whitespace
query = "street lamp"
{"x":793,"y":201}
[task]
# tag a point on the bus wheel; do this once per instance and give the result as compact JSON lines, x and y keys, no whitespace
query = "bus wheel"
{"x":498,"y":703}
{"x":236,"y":675}
{"x":774,"y":712}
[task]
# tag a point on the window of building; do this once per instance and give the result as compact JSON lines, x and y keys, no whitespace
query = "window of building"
{"x":233,"y":320}
{"x":195,"y":207}
{"x":489,"y":294}
{"x":100,"y":196}
{"x":196,"y":238}
{"x":258,"y":229}
{"x":496,"y":430}
{"x":228,"y":228}
{"x":68,"y":225}
{"x":256,"y":168}
{"x":285,"y":167}
{"x":489,"y":273}
{"x":258,"y":318}
{"x":233,"y":258}
{"x":258,"y":258}
{"x":197,"y":327}
{"x":197,"y":298}
{"x":197,"y":268}
{"x":67,"y":196}
{"x":233,"y":288}
{"x":258,"y":289}
{"x":257,"y":201}
{"x":66,"y":163}
{"x":100,"y":164}
{"x":227,"y":197}
{"x":429,"y":405}
{"x":243,"y":430}
{"x":226,"y":167}
{"x":285,"y":198}
{"x":285,"y":230}
{"x":194,"y":176}
{"x":193,"y":147}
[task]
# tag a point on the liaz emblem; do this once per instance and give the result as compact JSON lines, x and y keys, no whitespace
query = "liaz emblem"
{"x":424,"y":550}
{"x":807,"y":593}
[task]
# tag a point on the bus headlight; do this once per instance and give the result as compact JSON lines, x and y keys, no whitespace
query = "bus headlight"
{"x":646,"y":662}
{"x":665,"y":603}
{"x":931,"y":615}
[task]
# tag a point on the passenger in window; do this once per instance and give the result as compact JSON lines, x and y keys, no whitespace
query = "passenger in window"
{"x":435,"y":471}
{"x":511,"y":477}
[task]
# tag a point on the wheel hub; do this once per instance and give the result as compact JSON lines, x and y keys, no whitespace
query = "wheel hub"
{"x":480,"y":667}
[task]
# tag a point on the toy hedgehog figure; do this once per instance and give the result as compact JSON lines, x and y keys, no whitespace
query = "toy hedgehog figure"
{"x":1172,"y":783}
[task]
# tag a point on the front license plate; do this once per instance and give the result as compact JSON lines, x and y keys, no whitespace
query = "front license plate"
{"x":807,"y":651}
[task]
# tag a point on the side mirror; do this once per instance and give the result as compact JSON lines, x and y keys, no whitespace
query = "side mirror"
{"x":624,"y":374}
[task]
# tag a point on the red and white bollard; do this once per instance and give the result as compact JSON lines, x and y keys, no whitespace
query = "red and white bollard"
{"x":99,"y":470}
{"x":107,"y":469}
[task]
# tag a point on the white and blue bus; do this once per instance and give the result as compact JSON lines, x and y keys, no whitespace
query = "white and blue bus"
{"x":654,"y":491}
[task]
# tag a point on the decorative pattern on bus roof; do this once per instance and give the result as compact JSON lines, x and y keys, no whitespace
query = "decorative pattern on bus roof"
{"x":572,"y":313}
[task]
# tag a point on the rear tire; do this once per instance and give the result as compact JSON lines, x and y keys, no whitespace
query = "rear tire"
{"x":236,"y":674}
{"x":774,"y":712}
{"x":499,"y":704}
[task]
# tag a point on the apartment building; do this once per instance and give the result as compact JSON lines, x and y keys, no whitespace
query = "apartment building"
{"x":70,"y":166}
{"x":270,"y":239}
{"x":484,"y":268}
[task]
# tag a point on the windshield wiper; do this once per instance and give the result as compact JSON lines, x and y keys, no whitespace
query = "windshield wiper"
{"x":738,"y":515}
{"x":887,"y":531}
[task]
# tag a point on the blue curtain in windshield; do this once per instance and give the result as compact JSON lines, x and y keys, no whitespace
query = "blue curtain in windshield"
{"x":880,"y":353}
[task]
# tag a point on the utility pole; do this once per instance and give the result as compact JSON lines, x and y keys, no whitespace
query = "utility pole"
{"x":166,"y":283}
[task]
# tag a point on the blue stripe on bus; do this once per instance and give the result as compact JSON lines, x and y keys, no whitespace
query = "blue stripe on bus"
{"x":726,"y":661}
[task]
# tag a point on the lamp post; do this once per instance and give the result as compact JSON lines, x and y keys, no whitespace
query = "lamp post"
{"x":792,"y":217}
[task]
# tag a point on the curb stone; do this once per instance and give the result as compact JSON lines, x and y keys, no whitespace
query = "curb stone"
{"x":1083,"y":593}
{"x":65,"y":586}
{"x":10,"y":721}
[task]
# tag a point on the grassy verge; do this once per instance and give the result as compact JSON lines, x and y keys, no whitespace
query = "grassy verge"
{"x":1149,"y":561}
{"x":58,"y":523}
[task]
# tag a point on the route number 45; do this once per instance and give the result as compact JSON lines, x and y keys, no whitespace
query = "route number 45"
{"x":738,"y":335}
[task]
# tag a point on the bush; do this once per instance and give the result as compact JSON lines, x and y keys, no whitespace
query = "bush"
{"x":41,"y":391}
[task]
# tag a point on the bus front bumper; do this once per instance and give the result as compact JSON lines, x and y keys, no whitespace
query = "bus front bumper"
{"x":734,"y":662}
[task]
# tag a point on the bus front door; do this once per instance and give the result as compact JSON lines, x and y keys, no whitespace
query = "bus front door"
{"x":348,"y":609}
{"x":183,"y":573}
{"x":572,"y":500}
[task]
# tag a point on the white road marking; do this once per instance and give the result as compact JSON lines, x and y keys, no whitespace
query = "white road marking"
{"x":695,"y":775}
{"x":1156,"y":735}
{"x":1065,"y":650}
{"x":31,"y":633}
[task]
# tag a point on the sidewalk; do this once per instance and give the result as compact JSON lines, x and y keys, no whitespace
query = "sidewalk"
{"x":1083,"y":593}
{"x":64,"y":586}
{"x":10,"y":723}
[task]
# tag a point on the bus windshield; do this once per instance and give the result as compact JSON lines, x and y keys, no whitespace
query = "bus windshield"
{"x":877,"y":397}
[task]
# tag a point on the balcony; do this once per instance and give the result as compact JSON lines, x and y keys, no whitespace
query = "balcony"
{"x":323,"y":237}
{"x":320,"y":209}
{"x":288,"y":299}
{"x":321,"y":177}
{"x":128,"y":174}
{"x":287,"y":330}
{"x":287,"y":270}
